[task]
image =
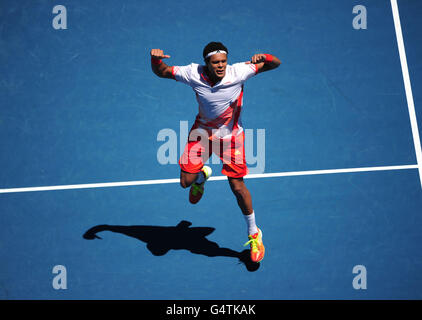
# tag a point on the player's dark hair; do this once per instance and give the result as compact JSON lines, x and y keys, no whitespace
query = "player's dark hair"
{"x":213,"y":46}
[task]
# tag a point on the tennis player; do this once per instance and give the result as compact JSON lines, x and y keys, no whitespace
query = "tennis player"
{"x":218,"y":87}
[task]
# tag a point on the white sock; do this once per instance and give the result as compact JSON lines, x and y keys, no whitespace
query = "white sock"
{"x":250,"y":220}
{"x":200,"y":178}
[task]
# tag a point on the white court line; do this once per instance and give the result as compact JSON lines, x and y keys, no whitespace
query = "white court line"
{"x":167,"y":181}
{"x":407,"y":86}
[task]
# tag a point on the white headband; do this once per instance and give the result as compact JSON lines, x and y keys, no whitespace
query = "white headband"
{"x":214,"y":52}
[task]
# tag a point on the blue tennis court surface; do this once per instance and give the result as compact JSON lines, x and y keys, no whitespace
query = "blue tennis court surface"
{"x":82,"y":106}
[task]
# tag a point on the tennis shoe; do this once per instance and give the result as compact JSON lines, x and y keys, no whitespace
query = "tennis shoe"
{"x":197,"y":190}
{"x":257,"y":246}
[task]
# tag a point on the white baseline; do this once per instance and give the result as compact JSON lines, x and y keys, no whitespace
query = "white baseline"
{"x":176,"y":180}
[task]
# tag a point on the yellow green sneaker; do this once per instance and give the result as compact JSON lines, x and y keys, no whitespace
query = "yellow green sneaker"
{"x":257,"y":246}
{"x":197,"y":190}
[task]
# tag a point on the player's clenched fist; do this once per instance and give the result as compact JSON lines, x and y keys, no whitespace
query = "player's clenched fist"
{"x":257,"y":58}
{"x":158,"y":54}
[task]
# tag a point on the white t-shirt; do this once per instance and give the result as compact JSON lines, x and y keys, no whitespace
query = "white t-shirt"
{"x":219,"y":105}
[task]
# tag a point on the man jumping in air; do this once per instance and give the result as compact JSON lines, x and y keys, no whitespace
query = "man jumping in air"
{"x":218,"y":87}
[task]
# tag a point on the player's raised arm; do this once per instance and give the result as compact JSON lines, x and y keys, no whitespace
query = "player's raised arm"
{"x":158,"y":66}
{"x":265,"y":62}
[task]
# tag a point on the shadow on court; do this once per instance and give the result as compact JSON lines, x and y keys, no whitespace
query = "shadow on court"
{"x":160,"y":240}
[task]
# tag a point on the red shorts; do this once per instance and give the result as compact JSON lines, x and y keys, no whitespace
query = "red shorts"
{"x":231,"y":151}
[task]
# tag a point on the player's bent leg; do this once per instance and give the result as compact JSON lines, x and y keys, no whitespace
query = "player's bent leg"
{"x":192,"y":164}
{"x":186,"y":178}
